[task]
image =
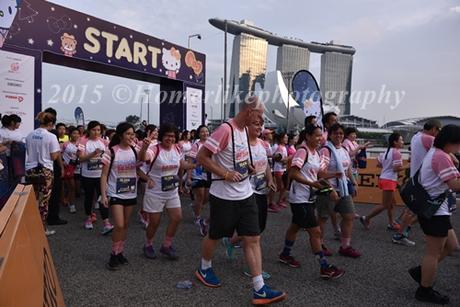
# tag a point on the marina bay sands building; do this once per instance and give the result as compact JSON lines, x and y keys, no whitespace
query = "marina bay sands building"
{"x":249,"y":64}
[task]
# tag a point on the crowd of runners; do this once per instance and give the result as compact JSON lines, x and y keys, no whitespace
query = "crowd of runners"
{"x":242,"y":172}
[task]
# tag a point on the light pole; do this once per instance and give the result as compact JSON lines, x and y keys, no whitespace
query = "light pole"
{"x":288,"y":76}
{"x":193,"y":35}
{"x":147,"y":92}
{"x":224,"y":102}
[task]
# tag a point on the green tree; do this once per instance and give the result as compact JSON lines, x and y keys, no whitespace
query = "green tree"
{"x":133,"y":119}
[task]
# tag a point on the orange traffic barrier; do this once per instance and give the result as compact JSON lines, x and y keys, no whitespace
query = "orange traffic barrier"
{"x":27,"y":273}
{"x":368,"y":190}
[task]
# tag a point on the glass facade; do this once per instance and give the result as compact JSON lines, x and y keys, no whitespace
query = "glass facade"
{"x":249,"y":66}
{"x":336,"y":70}
{"x":289,"y":60}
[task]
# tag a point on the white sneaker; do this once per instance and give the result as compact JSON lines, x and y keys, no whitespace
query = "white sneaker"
{"x":72,"y":209}
{"x":49,"y":232}
{"x":403,"y":241}
{"x":88,"y":224}
{"x":107,"y":229}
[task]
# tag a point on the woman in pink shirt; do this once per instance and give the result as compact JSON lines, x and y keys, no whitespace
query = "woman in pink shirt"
{"x":391,"y":164}
{"x":437,"y":175}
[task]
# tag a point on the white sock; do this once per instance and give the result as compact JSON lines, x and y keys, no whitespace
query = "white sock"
{"x":258,"y":282}
{"x":205,"y":264}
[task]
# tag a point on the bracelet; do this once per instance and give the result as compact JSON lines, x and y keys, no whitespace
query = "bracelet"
{"x":225,"y":176}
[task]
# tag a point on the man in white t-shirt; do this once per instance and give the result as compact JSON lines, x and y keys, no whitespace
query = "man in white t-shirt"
{"x":232,"y":205}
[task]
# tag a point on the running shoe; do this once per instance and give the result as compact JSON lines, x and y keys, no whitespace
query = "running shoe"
{"x":207,"y":278}
{"x":393,"y":227}
{"x":72,"y":209}
{"x":149,"y":252}
{"x":273,"y":208}
{"x":331,"y":272}
{"x":229,"y":248}
{"x":265,"y":275}
{"x":49,"y":232}
{"x":327,"y":252}
{"x":122,"y":259}
{"x":289,"y":260}
{"x":113,"y":264}
{"x":431,"y":296}
{"x":203,"y":227}
{"x":349,"y":252}
{"x":107,"y":229}
{"x":402,"y":240}
{"x":416,"y":274}
{"x":93,"y":218}
{"x":88,"y":224}
{"x":365,"y":222}
{"x":169,"y":252}
{"x":266,"y":296}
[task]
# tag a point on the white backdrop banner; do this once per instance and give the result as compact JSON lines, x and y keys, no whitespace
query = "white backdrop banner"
{"x":17,"y":73}
{"x":194,"y":108}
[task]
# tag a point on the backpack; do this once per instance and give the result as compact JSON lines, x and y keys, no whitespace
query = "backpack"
{"x":233,"y":149}
{"x":417,"y":198}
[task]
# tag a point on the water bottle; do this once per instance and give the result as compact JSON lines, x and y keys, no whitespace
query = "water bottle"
{"x":185,"y":284}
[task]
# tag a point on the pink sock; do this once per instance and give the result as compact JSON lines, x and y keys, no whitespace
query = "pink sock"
{"x":168,"y":241}
{"x":345,"y":242}
{"x":121,"y":247}
{"x":148,"y":242}
{"x":116,"y":247}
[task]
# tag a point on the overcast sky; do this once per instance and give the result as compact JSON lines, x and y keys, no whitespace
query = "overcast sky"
{"x":409,"y":48}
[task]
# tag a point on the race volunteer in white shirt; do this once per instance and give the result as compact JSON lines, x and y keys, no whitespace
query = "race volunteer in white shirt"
{"x":232,"y":204}
{"x":162,"y":190}
{"x":90,"y":151}
{"x":42,"y":149}
{"x":438,"y":174}
{"x":306,"y":164}
{"x":119,"y":188}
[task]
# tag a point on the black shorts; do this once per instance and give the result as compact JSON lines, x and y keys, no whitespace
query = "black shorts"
{"x":262,"y":206}
{"x":199,"y":183}
{"x":303,"y":215}
{"x":122,"y":202}
{"x":436,"y":226}
{"x":226,"y":216}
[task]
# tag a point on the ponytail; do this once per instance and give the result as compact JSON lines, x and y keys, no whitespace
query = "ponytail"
{"x":394,"y":137}
{"x":45,"y":118}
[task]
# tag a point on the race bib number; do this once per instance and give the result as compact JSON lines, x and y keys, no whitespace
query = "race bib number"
{"x":242,"y":168}
{"x":169,"y":183}
{"x":126,"y":185}
{"x":94,"y":165}
{"x":260,"y":182}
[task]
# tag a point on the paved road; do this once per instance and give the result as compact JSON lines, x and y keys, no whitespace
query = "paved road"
{"x":378,"y":278}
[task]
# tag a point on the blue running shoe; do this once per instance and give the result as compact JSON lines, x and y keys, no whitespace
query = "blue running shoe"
{"x":266,"y":296}
{"x":207,"y":278}
{"x":229,"y":248}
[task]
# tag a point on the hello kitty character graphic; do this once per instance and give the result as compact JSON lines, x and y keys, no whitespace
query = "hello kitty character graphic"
{"x":8,"y":10}
{"x":68,"y":44}
{"x":171,"y":61}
